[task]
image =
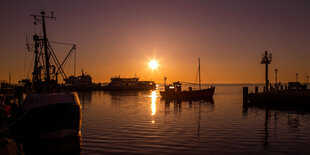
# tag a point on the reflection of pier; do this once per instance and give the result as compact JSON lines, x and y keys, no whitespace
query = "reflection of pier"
{"x":271,"y":115}
{"x":266,"y":129}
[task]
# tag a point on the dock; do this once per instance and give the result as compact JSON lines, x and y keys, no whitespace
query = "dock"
{"x":290,"y":99}
{"x":290,"y":96}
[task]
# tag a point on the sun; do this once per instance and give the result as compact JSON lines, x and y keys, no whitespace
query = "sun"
{"x":153,"y":64}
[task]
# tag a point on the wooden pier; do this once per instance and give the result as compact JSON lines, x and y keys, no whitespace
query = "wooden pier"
{"x":289,"y":99}
{"x":290,"y":96}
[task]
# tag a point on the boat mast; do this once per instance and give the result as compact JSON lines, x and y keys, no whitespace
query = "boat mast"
{"x":165,"y":78}
{"x":199,"y":73}
{"x":45,"y":44}
{"x":74,"y":63}
{"x":36,"y":71}
{"x":47,"y":57}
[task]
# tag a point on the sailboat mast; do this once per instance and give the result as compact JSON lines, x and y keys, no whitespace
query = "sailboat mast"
{"x":199,"y":73}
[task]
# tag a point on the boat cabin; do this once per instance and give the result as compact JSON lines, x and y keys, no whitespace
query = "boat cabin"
{"x":130,"y":83}
{"x":84,"y":80}
{"x":175,"y":87}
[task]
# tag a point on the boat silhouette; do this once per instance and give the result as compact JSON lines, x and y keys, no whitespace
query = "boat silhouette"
{"x":46,"y":112}
{"x":123,"y":84}
{"x":174,"y":91}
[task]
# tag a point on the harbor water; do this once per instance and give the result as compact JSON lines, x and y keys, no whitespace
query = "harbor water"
{"x":142,"y":123}
{"x":139,"y":122}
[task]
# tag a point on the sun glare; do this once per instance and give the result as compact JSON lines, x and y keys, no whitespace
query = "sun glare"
{"x":153,"y":105}
{"x":153,"y":64}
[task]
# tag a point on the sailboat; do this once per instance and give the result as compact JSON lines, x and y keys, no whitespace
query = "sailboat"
{"x":46,"y":113}
{"x":174,"y":91}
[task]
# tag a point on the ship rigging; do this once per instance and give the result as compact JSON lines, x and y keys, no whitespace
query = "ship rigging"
{"x":47,"y":66}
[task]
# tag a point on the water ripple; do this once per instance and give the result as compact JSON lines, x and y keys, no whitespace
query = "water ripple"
{"x":127,"y":123}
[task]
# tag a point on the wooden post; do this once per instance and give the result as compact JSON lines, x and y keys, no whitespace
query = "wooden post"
{"x":245,"y":95}
{"x":276,"y":75}
{"x":10,"y":79}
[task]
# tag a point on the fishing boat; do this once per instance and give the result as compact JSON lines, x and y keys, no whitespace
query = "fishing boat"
{"x":118,"y":83}
{"x":174,"y":91}
{"x":46,"y":112}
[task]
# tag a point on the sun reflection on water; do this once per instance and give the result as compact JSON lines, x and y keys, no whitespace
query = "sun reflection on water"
{"x":153,"y":105}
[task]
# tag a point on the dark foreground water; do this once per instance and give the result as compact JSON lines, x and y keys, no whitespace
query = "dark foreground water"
{"x":141,"y":123}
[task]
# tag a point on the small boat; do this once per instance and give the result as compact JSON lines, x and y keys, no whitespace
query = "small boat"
{"x":118,"y":83}
{"x":174,"y":91}
{"x":46,"y":112}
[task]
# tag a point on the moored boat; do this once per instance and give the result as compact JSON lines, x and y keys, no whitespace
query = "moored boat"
{"x":174,"y":91}
{"x":118,"y":83}
{"x":80,"y":83}
{"x":46,"y":113}
{"x":48,"y":116}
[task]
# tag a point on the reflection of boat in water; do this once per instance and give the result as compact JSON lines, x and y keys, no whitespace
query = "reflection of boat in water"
{"x":125,"y":93}
{"x":46,"y":113}
{"x":118,"y":83}
{"x":174,"y":91}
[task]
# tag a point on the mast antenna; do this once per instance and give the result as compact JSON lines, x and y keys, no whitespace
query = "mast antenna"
{"x":165,"y":78}
{"x":74,"y":62}
{"x":199,"y":73}
{"x":276,"y":75}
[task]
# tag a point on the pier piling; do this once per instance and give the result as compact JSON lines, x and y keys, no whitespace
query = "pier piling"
{"x":245,"y":95}
{"x":264,"y":89}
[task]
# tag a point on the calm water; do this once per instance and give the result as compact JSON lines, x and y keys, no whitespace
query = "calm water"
{"x":139,"y":122}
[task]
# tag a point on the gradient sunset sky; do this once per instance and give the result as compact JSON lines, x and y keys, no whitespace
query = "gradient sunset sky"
{"x":119,"y":37}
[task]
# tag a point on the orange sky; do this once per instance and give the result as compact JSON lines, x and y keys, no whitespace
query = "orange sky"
{"x":119,"y":38}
